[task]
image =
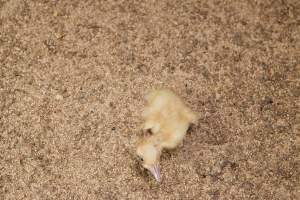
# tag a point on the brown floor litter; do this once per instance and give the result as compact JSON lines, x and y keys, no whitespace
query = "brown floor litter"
{"x":72,"y":78}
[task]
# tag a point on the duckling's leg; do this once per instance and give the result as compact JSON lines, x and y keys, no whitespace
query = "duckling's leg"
{"x":152,"y":125}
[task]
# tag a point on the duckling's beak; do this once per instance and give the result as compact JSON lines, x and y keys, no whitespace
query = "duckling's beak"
{"x":155,"y":171}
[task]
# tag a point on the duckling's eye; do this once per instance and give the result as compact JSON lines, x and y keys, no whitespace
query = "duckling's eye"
{"x":140,"y":159}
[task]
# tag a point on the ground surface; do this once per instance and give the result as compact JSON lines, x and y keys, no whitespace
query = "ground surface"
{"x":72,"y":79}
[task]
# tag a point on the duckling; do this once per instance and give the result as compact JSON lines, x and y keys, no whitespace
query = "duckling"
{"x":168,"y":119}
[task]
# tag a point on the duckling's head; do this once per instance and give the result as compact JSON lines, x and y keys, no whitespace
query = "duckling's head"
{"x":150,"y":154}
